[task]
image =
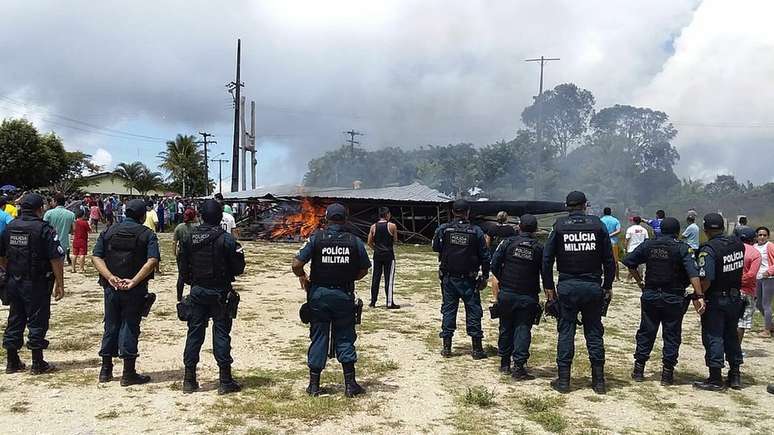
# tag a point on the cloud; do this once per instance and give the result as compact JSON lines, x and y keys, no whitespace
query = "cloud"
{"x":406,"y":73}
{"x":103,"y":158}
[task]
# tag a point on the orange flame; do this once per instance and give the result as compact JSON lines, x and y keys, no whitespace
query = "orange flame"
{"x":303,"y":223}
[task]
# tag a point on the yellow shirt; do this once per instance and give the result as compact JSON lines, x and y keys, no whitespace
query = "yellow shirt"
{"x":151,"y":219}
{"x":11,"y":210}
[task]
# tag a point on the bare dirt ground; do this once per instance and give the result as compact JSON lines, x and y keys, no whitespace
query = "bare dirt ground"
{"x":411,"y":388}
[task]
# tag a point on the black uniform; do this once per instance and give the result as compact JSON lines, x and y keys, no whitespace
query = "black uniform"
{"x":669,"y":264}
{"x":462,"y":251}
{"x":209,"y":260}
{"x":497,"y":233}
{"x":125,"y":248}
{"x":517,"y":263}
{"x":29,"y":244}
{"x":721,"y":261}
{"x":581,"y":246}
{"x":384,"y":262}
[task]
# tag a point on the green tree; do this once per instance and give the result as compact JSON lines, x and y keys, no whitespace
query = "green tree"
{"x":30,"y":160}
{"x":149,"y":180}
{"x":566,"y":111}
{"x":77,"y":165}
{"x":452,"y":169}
{"x":184,"y":161}
{"x":131,"y":174}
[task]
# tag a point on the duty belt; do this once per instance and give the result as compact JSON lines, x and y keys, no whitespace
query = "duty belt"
{"x":672,"y":291}
{"x":343,"y":287}
{"x":725,"y":293}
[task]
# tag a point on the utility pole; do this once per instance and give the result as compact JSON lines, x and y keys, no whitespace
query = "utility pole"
{"x":206,"y":142}
{"x":253,"y":151}
{"x":220,"y":172}
{"x":235,"y":89}
{"x":537,"y":193}
{"x":244,"y":142}
{"x":352,"y":142}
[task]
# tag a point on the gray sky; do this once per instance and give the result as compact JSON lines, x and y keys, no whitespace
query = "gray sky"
{"x":407,"y":73}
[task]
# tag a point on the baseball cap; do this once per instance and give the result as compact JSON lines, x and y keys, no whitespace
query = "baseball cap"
{"x":32,"y":201}
{"x":747,"y":234}
{"x":528,"y":223}
{"x":460,"y":205}
{"x":575,"y":198}
{"x":670,"y":225}
{"x":714,"y":221}
{"x":135,"y":209}
{"x":227,"y":209}
{"x":336,"y":212}
{"x":212,"y":212}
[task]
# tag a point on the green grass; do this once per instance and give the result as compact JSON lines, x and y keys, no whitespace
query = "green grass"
{"x":678,"y":427}
{"x":479,"y":396}
{"x":108,"y":415}
{"x":21,"y":407}
{"x":75,"y":344}
{"x":648,"y":396}
{"x":544,"y":410}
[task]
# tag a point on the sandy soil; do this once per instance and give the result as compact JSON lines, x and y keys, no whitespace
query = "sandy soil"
{"x":411,"y":389}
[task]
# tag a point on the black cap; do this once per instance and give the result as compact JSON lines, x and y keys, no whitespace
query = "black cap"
{"x":32,"y":201}
{"x":575,"y":198}
{"x":670,"y":225}
{"x":211,"y":211}
{"x":135,"y":209}
{"x":747,"y":234}
{"x":528,"y":223}
{"x":714,"y":221}
{"x":460,"y":205}
{"x":336,"y":212}
{"x":3,"y":199}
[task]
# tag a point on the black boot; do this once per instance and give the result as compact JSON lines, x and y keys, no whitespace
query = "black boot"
{"x":520,"y":373}
{"x":351,"y":387}
{"x":227,"y":384}
{"x":130,"y":375}
{"x":477,"y":351}
{"x":667,"y":375}
{"x":638,"y":372}
{"x":14,"y":362}
{"x":106,"y":372}
{"x":505,"y":365}
{"x":314,"y":383}
{"x":446,"y":351}
{"x":770,"y":388}
{"x":734,"y":378}
{"x":713,"y":383}
{"x":189,"y":380}
{"x":598,"y":379}
{"x":562,"y":382}
{"x":39,"y":365}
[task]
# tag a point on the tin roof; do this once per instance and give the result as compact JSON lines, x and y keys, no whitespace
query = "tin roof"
{"x":414,"y":192}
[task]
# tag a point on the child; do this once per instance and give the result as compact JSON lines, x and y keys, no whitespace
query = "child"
{"x":80,"y":240}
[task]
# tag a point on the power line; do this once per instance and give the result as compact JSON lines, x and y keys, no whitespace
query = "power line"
{"x":352,"y":142}
{"x":206,"y":142}
{"x":539,"y":134}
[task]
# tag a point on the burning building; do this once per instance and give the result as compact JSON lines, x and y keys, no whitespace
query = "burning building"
{"x":293,"y":213}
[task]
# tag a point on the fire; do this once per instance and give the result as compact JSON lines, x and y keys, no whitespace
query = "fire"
{"x":303,"y":223}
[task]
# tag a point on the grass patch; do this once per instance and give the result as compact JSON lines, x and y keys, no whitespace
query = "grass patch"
{"x":74,"y":344}
{"x":108,"y":415}
{"x":544,"y":410}
{"x":21,"y":407}
{"x":741,"y":399}
{"x":479,"y":396}
{"x":647,"y":396}
{"x":678,"y":427}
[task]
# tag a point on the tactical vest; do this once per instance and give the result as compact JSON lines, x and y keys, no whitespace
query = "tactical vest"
{"x":26,"y":248}
{"x":578,"y":245}
{"x":521,"y":266}
{"x":664,"y":267}
{"x":206,"y":248}
{"x":126,"y":249}
{"x":336,"y":259}
{"x":729,"y":263}
{"x":460,"y":249}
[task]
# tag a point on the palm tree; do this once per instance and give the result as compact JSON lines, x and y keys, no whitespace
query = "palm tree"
{"x":183,"y":160}
{"x":131,"y":173}
{"x":148,"y":181}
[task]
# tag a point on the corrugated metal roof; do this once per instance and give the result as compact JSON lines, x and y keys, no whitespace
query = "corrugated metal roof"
{"x":414,"y":192}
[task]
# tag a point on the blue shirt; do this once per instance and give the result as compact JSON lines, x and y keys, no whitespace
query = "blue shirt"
{"x":611,"y":225}
{"x":5,"y":219}
{"x":153,"y":242}
{"x":306,"y":252}
{"x":656,"y":225}
{"x":691,"y":235}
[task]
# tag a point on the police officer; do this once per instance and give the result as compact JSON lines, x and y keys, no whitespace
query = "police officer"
{"x":125,"y":256}
{"x":581,"y":247}
{"x":33,"y":258}
{"x":721,"y":263}
{"x":338,"y":259}
{"x":670,"y":267}
{"x":517,"y":264}
{"x":209,"y":259}
{"x":462,"y":252}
